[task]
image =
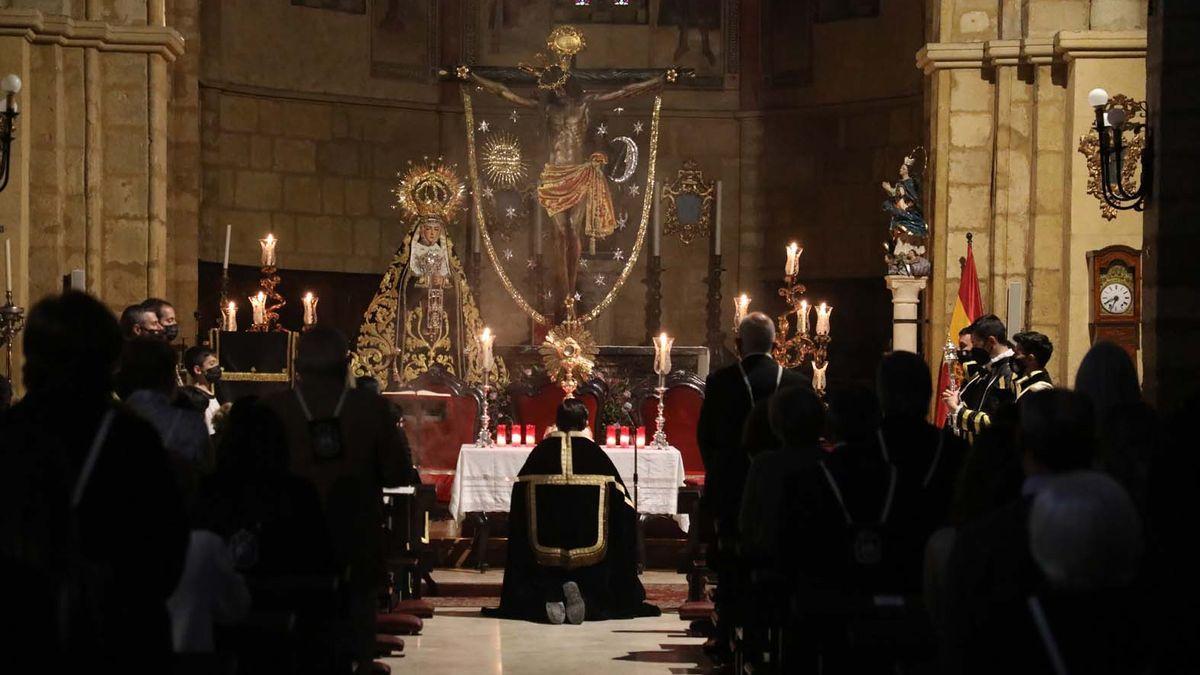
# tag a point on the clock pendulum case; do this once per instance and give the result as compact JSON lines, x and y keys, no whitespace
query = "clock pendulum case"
{"x":1115,"y":273}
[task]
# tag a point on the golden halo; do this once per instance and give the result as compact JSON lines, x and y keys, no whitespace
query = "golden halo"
{"x":430,"y":189}
{"x":565,"y":41}
{"x":502,"y":161}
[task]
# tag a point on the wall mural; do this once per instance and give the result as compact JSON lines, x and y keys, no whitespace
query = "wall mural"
{"x":404,"y":38}
{"x":697,"y":34}
{"x":348,"y":6}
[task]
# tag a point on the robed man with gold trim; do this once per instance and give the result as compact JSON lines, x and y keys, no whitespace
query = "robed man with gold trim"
{"x":572,"y":543}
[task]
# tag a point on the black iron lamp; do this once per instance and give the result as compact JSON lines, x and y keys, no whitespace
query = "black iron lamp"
{"x":1112,"y":121}
{"x":9,"y":86}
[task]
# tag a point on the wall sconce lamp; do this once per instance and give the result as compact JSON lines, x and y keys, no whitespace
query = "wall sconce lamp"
{"x":9,"y":86}
{"x":1115,"y":156}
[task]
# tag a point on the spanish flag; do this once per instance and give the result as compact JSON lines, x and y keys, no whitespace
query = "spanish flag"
{"x":967,"y":308}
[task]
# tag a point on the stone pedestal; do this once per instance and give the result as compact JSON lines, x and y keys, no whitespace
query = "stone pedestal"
{"x":906,"y":293}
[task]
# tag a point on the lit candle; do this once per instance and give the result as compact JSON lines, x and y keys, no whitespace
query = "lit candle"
{"x":229,"y":316}
{"x":8,"y":264}
{"x":530,"y":434}
{"x":823,"y":312}
{"x":741,"y":305}
{"x":310,"y":308}
{"x":515,"y":438}
{"x":258,"y":305}
{"x":624,"y":437}
{"x":803,"y":314}
{"x":662,"y":354}
{"x":268,"y":250}
{"x":717,"y":222}
{"x":486,"y":338}
{"x":656,"y":234}
{"x":501,"y":434}
{"x":610,"y":435}
{"x":228,"y":234}
{"x":640,"y":439}
{"x":792,"y":268}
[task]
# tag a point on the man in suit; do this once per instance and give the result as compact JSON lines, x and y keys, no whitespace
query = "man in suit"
{"x":729,"y":395}
{"x":1031,"y":353}
{"x":998,"y":380}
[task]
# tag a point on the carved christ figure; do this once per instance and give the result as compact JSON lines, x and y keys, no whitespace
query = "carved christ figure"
{"x":573,"y":189}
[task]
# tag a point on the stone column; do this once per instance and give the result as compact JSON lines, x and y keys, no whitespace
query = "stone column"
{"x":906,"y":294}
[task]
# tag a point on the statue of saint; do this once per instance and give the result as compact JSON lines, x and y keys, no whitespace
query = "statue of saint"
{"x":423,"y":314}
{"x":572,"y":188}
{"x":909,"y":231}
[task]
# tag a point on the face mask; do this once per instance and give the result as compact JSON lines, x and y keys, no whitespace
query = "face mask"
{"x":1018,"y":367}
{"x":213,"y":374}
{"x":171,"y":332}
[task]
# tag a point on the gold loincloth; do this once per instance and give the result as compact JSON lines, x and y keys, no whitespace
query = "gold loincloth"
{"x":563,"y":186}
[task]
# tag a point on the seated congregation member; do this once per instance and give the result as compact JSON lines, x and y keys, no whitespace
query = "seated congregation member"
{"x":796,"y":419}
{"x":996,"y":386}
{"x":927,"y":459}
{"x":990,"y":567}
{"x":146,"y":383}
{"x":1127,"y":428}
{"x":204,"y":372}
{"x":165,"y":312}
{"x":572,"y":543}
{"x":137,"y":321}
{"x":1086,"y":537}
{"x":92,"y":524}
{"x":346,"y":442}
{"x":1031,"y":353}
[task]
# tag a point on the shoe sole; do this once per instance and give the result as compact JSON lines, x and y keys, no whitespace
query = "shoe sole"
{"x":574,"y":603}
{"x":555,"y":613}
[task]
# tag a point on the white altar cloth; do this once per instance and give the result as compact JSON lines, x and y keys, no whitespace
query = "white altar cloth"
{"x":484,"y":479}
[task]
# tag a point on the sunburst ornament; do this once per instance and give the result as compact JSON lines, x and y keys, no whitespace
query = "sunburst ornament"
{"x":569,"y":353}
{"x":502,"y":161}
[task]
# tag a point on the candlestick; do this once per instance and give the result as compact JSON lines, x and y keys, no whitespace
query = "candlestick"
{"x":802,"y":315}
{"x":501,"y":434}
{"x":228,"y":234}
{"x":662,"y":354}
{"x":258,"y":308}
{"x":7,"y":264}
{"x":823,"y":312}
{"x":484,"y":439}
{"x":656,"y":236}
{"x":229,"y":317}
{"x":741,"y":306}
{"x":310,"y":309}
{"x":660,"y":422}
{"x":716,"y":236}
{"x":268,"y":250}
{"x":486,"y":360}
{"x":792,"y":268}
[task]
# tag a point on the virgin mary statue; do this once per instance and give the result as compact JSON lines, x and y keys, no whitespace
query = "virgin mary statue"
{"x":423,"y":314}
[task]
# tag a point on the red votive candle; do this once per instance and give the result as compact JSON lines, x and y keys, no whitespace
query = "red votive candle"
{"x":530,"y":434}
{"x":624,"y":437}
{"x":610,"y":435}
{"x":641,"y":437}
{"x":501,"y":434}
{"x":515,"y":439}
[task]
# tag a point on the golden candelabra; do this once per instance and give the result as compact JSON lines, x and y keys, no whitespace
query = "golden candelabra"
{"x":268,"y":283}
{"x":806,"y":343}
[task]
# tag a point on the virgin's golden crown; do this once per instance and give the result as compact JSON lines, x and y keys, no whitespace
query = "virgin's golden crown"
{"x":430,"y":189}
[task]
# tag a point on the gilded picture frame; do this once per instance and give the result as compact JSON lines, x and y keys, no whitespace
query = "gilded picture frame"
{"x":687,"y":204}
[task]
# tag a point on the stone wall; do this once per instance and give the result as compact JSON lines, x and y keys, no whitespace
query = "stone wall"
{"x":88,"y":181}
{"x":1006,"y":85}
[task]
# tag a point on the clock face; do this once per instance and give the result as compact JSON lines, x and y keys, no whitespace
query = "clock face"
{"x":1116,"y":298}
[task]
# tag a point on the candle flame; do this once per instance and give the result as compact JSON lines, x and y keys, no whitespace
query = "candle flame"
{"x":308,"y":296}
{"x":270,"y":238}
{"x":232,"y":306}
{"x":261,"y":296}
{"x":486,"y":335}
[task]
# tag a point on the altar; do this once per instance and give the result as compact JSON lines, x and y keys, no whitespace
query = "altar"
{"x":484,"y":478}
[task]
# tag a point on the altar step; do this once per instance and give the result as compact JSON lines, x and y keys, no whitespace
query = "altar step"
{"x":458,"y":587}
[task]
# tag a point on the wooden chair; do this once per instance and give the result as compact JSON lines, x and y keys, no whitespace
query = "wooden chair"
{"x":536,"y":401}
{"x":441,"y":413}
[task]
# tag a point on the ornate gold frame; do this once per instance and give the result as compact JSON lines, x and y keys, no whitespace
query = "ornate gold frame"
{"x":1089,"y":147}
{"x":688,"y":181}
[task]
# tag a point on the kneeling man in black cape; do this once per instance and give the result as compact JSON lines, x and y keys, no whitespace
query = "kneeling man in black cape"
{"x":572,"y":545}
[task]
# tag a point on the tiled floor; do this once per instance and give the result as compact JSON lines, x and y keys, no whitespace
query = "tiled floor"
{"x":462,"y":641}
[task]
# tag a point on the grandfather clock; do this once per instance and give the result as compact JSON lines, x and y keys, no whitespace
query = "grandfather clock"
{"x":1116,"y":280}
